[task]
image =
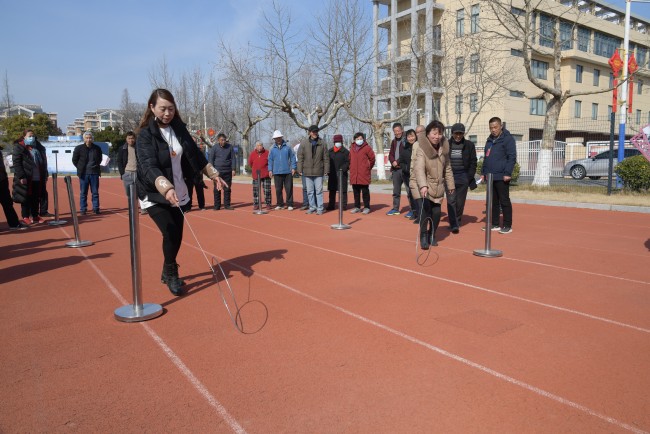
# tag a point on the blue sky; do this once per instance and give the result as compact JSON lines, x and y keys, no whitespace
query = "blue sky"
{"x":71,"y":56}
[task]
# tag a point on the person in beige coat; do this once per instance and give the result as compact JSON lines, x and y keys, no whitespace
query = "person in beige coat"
{"x":432,"y":172}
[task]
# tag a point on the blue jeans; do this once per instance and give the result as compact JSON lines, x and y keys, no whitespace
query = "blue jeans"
{"x":305,"y":200}
{"x":314,"y":186}
{"x":91,"y":181}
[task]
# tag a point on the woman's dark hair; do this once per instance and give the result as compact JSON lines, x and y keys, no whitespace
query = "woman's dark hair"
{"x":153,"y":99}
{"x":411,"y":131}
{"x":363,"y":136}
{"x":437,"y":125}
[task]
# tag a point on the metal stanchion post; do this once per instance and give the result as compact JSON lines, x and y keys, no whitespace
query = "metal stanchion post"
{"x":75,"y":220}
{"x":340,"y":225}
{"x":56,"y":221}
{"x":259,"y":210}
{"x":137,"y":311}
{"x":488,"y":252}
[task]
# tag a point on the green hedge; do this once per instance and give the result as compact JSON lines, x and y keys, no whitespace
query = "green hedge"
{"x":515,"y":171}
{"x":635,"y":173}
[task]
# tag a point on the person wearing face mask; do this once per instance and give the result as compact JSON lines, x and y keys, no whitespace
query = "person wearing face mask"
{"x":166,"y":156}
{"x":362,"y":159}
{"x":313,"y":163}
{"x":86,"y":158}
{"x":339,"y":161}
{"x":30,"y":175}
{"x":432,"y":174}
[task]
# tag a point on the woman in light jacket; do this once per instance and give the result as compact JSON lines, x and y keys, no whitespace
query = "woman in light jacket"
{"x":432,"y":173}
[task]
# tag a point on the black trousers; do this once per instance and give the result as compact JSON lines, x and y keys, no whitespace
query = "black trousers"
{"x":359,"y":190}
{"x":8,"y":204}
{"x":501,"y":198}
{"x":44,"y":202}
{"x":286,"y":181}
{"x":227,"y":177}
{"x":430,"y":210}
{"x":398,"y":180}
{"x":169,"y":220}
{"x":31,"y":207}
{"x":200,"y":195}
{"x":456,"y":205}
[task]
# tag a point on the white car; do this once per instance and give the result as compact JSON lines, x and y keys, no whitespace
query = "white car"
{"x":596,"y":166}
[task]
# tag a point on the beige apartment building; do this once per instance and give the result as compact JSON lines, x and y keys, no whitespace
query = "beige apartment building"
{"x":96,"y":120}
{"x":458,"y":62}
{"x":29,"y":110}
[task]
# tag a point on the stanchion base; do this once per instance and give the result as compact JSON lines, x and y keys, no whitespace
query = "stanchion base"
{"x":488,"y":253}
{"x":57,"y":222}
{"x":260,"y":212}
{"x":79,"y":243}
{"x":340,"y":227}
{"x":129,"y":313}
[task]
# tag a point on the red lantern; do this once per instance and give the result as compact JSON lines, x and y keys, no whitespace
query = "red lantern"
{"x":616,"y":63}
{"x":210,"y":132}
{"x":632,"y":67}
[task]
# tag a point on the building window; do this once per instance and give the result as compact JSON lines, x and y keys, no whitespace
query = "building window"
{"x":517,"y":12}
{"x":516,"y":93}
{"x":596,"y":77}
{"x":538,"y":107}
{"x":460,"y":65}
{"x":476,"y":9}
{"x":605,"y":45}
{"x":546,"y":30}
{"x":459,"y":104}
{"x":611,"y":80}
{"x":473,"y":63}
{"x":641,"y":55}
{"x":609,"y":111}
{"x":639,"y":87}
{"x":578,"y":109}
{"x":539,"y":69}
{"x":516,"y":53}
{"x":566,"y":35}
{"x":473,"y":103}
{"x":638,"y":117}
{"x":584,"y":36}
{"x":460,"y":22}
{"x":579,"y":70}
{"x":594,"y":111}
{"x":473,"y":138}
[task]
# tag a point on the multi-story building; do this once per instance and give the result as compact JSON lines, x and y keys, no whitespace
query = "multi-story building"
{"x":96,"y":120}
{"x":461,"y":62}
{"x":29,"y":110}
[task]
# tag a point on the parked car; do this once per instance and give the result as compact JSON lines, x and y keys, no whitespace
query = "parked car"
{"x":596,"y":166}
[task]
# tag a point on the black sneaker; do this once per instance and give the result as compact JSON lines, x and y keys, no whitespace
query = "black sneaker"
{"x":96,"y":211}
{"x":455,"y":230}
{"x":494,"y":228}
{"x":505,"y":230}
{"x":47,"y":214}
{"x":20,"y":227}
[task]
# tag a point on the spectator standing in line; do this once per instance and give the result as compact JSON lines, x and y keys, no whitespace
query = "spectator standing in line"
{"x":222,"y":158}
{"x":87,"y":158}
{"x":127,"y":164}
{"x":404,"y":163}
{"x":500,"y":158}
{"x":259,"y":161}
{"x":282,"y":167}
{"x":462,"y":155}
{"x":432,"y":174}
{"x":30,"y":175}
{"x":362,"y":159}
{"x":396,"y":146}
{"x":305,"y":200}
{"x":339,"y":158}
{"x":417,"y":200}
{"x":313,"y":163}
{"x":167,"y":155}
{"x":5,"y":200}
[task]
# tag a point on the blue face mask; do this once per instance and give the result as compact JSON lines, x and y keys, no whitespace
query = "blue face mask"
{"x":359,"y":142}
{"x":29,"y":140}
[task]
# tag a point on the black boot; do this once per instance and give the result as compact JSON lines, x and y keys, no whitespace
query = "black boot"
{"x":424,"y":240}
{"x":432,"y":239}
{"x":170,"y":277}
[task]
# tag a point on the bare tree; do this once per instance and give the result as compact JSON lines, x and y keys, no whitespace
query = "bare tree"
{"x":161,"y":77}
{"x":523,"y":28}
{"x":131,"y":112}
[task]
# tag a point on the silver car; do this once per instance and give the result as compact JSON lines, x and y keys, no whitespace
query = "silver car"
{"x":596,"y":166}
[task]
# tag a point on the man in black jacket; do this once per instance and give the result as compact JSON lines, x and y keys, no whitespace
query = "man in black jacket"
{"x":463,"y":165}
{"x":5,"y":200}
{"x":339,"y":161}
{"x":87,"y":158}
{"x":222,"y":157}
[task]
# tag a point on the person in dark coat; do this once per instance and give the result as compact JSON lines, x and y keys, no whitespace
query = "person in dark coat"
{"x":222,"y":157}
{"x":362,"y":159}
{"x":404,"y":162}
{"x":339,"y":161}
{"x":87,"y":159}
{"x":30,"y":174}
{"x":463,"y":165}
{"x":167,"y":155}
{"x":5,"y":199}
{"x":313,"y":164}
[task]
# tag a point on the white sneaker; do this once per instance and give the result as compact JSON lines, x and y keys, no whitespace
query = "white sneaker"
{"x":290,"y":208}
{"x":365,"y":211}
{"x":277,"y":208}
{"x":355,"y":210}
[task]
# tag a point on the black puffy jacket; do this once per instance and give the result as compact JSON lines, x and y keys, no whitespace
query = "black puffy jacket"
{"x":152,"y":153}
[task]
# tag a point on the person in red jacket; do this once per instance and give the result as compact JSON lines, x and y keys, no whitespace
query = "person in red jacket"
{"x":362,"y":159}
{"x":259,"y":161}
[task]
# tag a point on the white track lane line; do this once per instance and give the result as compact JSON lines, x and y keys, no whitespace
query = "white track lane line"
{"x":467,"y":362}
{"x":173,"y":357}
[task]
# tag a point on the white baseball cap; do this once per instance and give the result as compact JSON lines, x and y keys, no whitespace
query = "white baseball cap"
{"x":277,"y":134}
